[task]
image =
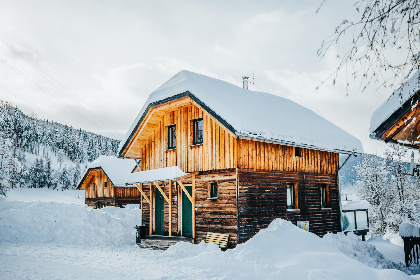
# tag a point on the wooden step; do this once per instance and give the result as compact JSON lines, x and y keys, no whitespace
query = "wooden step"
{"x":158,"y":242}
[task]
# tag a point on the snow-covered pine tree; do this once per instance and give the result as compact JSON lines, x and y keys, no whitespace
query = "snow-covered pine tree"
{"x":392,"y":193}
{"x":373,"y":187}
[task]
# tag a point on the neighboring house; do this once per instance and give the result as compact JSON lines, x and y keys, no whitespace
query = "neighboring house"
{"x":104,"y":183}
{"x":397,"y":119}
{"x":239,"y":160}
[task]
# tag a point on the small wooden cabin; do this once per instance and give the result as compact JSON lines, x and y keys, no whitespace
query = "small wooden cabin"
{"x":104,"y":183}
{"x":397,"y":120}
{"x":244,"y":159}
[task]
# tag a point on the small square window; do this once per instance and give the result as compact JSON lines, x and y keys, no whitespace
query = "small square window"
{"x":105,"y":185}
{"x":213,"y":190}
{"x":171,"y":137}
{"x":197,"y":131}
{"x":298,"y":152}
{"x":291,"y":196}
{"x":325,"y":196}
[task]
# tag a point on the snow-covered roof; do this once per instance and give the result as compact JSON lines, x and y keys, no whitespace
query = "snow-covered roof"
{"x":409,"y":230}
{"x":114,"y":168}
{"x":154,"y":175}
{"x":252,"y":114}
{"x":354,"y":204}
{"x":394,"y":103}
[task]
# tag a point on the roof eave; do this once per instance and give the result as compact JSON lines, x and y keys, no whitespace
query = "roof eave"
{"x":170,"y":99}
{"x":378,"y":133}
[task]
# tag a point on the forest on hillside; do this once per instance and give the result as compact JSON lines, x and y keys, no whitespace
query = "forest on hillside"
{"x":41,"y":153}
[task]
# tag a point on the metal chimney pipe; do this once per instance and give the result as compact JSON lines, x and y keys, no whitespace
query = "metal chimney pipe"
{"x":245,"y":82}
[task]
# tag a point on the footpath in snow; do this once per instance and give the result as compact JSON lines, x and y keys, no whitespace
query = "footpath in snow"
{"x":52,"y":235}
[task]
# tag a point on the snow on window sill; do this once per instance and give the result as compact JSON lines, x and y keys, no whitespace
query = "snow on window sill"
{"x":171,"y":149}
{"x":326,"y":208}
{"x":212,"y":198}
{"x":195,"y":145}
{"x":293,"y":210}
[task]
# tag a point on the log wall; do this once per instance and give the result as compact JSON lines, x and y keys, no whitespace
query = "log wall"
{"x":262,"y":198}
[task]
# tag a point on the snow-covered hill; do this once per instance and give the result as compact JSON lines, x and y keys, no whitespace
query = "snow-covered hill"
{"x":47,"y":234}
{"x":39,"y":153}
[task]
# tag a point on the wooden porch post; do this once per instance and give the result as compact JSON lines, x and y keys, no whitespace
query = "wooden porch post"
{"x":193,"y":203}
{"x":170,"y":208}
{"x":151,"y":212}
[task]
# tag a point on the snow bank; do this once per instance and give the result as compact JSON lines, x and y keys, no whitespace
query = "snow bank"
{"x":255,"y":114}
{"x":409,"y":230}
{"x":64,"y":222}
{"x":352,"y":246}
{"x":282,"y":251}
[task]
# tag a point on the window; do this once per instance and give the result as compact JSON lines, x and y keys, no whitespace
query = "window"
{"x":325,"y":196}
{"x":105,"y":185}
{"x":197,"y":131}
{"x":171,"y":137}
{"x":292,"y":198}
{"x":108,"y":203}
{"x":213,"y":190}
{"x":298,"y":152}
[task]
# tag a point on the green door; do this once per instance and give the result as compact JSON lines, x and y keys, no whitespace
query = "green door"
{"x":187,"y":220}
{"x":159,"y":213}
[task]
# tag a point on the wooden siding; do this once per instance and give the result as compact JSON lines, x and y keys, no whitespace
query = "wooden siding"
{"x":218,"y":150}
{"x":259,"y":155}
{"x":212,"y":215}
{"x":262,"y":198}
{"x":216,"y":215}
{"x":221,"y":149}
{"x":98,"y":177}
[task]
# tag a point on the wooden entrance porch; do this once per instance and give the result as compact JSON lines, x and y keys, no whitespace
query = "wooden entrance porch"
{"x":168,"y":207}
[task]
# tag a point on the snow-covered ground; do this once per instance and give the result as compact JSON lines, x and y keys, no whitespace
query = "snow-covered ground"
{"x":46,"y":234}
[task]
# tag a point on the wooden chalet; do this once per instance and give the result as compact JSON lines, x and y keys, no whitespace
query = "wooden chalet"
{"x":240,"y":159}
{"x":397,"y":120}
{"x":104,"y":183}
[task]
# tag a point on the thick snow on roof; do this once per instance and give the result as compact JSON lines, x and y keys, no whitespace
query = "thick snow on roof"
{"x":354,"y":204}
{"x":256,"y":114}
{"x":115,"y":168}
{"x":395,"y":101}
{"x":154,"y":175}
{"x":409,"y":230}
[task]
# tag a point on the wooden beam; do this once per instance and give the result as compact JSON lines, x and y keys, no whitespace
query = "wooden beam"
{"x":170,"y":208}
{"x":140,"y":187}
{"x":161,"y":191}
{"x":193,"y":204}
{"x":188,"y":175}
{"x":185,"y":190}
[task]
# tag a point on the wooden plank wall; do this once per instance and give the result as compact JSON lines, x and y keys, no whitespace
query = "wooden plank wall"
{"x":217,"y":215}
{"x":218,"y":150}
{"x":212,"y":215}
{"x":127,"y":192}
{"x":262,"y":198}
{"x":99,"y":178}
{"x":260,"y":155}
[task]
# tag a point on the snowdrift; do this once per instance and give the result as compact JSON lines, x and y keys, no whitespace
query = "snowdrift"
{"x":282,"y":251}
{"x":66,"y":222}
